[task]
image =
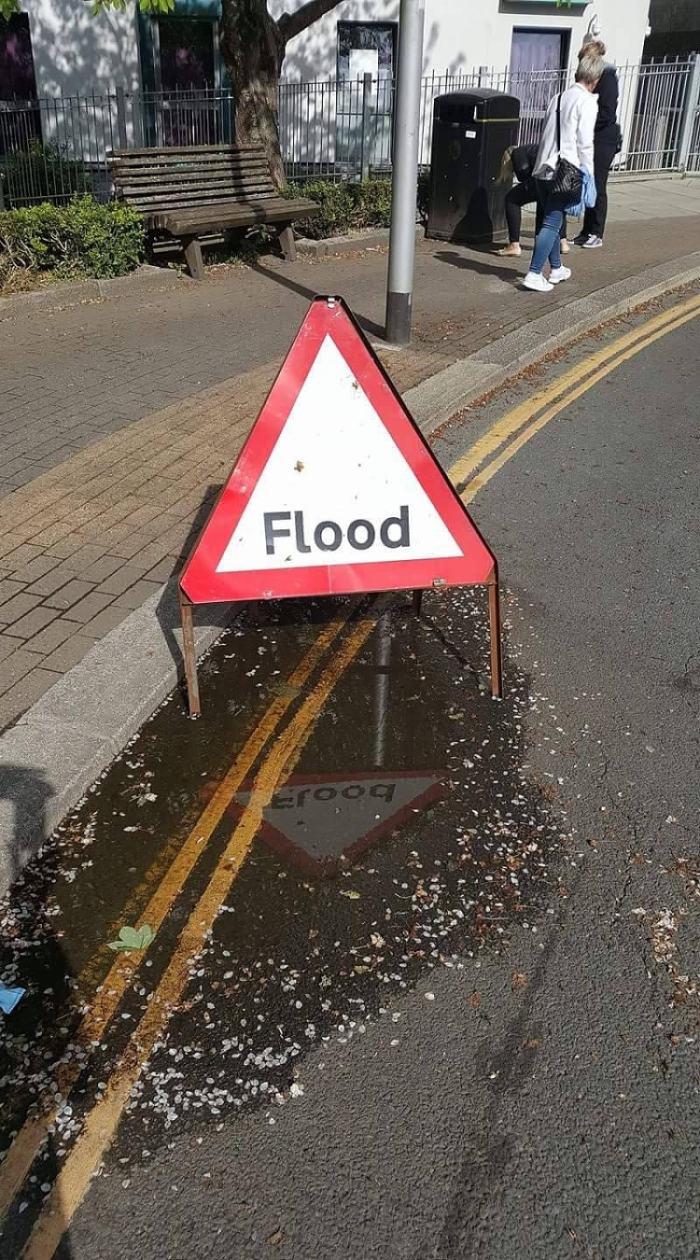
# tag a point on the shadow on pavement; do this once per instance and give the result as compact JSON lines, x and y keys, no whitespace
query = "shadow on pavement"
{"x":481,"y":269}
{"x":367,"y":325}
{"x":168,"y":610}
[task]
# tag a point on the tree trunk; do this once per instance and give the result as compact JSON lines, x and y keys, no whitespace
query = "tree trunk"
{"x":253,"y":45}
{"x":253,"y":49}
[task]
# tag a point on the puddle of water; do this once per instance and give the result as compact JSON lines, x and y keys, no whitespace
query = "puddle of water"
{"x":100,"y":868}
{"x":407,"y":837}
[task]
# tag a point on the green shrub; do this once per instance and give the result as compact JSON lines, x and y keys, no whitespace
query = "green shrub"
{"x":82,"y":238}
{"x":43,"y":172}
{"x":345,"y":207}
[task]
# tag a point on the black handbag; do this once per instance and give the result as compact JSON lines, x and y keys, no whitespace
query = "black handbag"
{"x":568,"y":179}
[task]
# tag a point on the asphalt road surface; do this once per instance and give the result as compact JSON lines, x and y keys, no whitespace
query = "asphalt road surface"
{"x":449,"y":1003}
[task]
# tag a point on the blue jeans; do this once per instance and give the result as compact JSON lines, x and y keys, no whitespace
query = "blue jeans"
{"x":547,"y":239}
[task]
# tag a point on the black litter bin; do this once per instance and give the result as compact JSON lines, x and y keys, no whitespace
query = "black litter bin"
{"x":471,"y":130}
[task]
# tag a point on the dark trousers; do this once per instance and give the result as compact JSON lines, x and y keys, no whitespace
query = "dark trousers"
{"x":523,"y":195}
{"x":594,"y":219}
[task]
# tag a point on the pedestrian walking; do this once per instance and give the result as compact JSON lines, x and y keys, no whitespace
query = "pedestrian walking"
{"x":519,"y":161}
{"x":607,"y":141}
{"x":563,"y":166}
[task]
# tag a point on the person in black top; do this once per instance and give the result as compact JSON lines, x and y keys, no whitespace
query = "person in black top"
{"x":520,"y":162}
{"x":606,"y":143}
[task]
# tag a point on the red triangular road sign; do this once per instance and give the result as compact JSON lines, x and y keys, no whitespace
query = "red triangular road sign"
{"x":321,"y":821}
{"x":335,"y":491}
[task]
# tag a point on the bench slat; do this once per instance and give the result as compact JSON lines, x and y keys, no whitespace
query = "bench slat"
{"x":260,"y":182}
{"x":203,"y":162}
{"x":240,"y":192}
{"x":224,"y":161}
{"x":161,"y":175}
{"x":180,"y":223}
{"x":173,"y":150}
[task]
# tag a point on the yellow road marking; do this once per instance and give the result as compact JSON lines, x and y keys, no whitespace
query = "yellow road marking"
{"x":102,"y":1122}
{"x":30,"y":1137}
{"x":481,"y":478}
{"x":518,"y":416}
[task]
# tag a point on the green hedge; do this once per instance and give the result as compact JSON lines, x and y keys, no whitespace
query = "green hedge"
{"x":82,"y":238}
{"x":344,"y":206}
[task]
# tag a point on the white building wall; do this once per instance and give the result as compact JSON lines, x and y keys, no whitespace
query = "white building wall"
{"x":312,"y":55}
{"x":76,"y":53}
{"x":465,"y":34}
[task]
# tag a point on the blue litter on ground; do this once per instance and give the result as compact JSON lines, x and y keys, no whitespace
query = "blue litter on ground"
{"x":9,"y":998}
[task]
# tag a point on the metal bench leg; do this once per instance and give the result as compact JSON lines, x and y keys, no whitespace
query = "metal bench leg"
{"x":193,"y":257}
{"x":287,"y":244}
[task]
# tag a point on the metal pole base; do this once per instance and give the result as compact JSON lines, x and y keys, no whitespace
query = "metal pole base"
{"x":398,"y":318}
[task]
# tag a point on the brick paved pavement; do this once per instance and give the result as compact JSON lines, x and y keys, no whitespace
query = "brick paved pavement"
{"x":69,"y":378}
{"x":124,"y":418}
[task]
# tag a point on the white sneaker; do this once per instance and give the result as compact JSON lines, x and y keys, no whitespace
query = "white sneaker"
{"x":593,"y":242}
{"x":557,"y":274}
{"x":535,"y":280}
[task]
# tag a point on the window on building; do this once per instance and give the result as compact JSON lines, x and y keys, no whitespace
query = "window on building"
{"x":537,"y":59}
{"x":188,"y":109}
{"x":366,"y":48}
{"x":17,"y":81}
{"x":186,"y":54}
{"x":364,"y":126}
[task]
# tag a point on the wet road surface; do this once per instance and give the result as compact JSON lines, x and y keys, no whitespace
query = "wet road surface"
{"x":424,"y":978}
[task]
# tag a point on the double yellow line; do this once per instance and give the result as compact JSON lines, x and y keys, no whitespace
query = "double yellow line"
{"x":497,"y":446}
{"x":92,"y":1027}
{"x":532,"y":415}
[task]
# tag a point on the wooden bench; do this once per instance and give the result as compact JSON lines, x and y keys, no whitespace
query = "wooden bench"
{"x":188,"y":192}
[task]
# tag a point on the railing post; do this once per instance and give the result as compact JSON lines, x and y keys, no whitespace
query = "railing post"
{"x":690,"y":110}
{"x":121,"y":118}
{"x":2,"y":190}
{"x":365,"y":149}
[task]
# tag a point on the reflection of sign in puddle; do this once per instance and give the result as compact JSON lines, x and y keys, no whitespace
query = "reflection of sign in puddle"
{"x":317,"y":821}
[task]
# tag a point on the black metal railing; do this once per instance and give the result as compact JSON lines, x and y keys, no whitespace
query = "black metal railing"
{"x":56,"y":147}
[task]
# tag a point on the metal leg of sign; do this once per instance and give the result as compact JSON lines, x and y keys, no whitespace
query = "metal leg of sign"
{"x":495,"y":632}
{"x":190,"y":657}
{"x":417,"y":602}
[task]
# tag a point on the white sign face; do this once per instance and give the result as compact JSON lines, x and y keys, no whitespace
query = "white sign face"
{"x":327,"y":817}
{"x":335,"y":493}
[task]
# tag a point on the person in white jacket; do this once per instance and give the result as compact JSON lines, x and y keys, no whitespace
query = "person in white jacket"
{"x":578,"y":110}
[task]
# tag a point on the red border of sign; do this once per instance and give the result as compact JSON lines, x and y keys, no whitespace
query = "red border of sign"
{"x":200,"y":581}
{"x":327,"y":868}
